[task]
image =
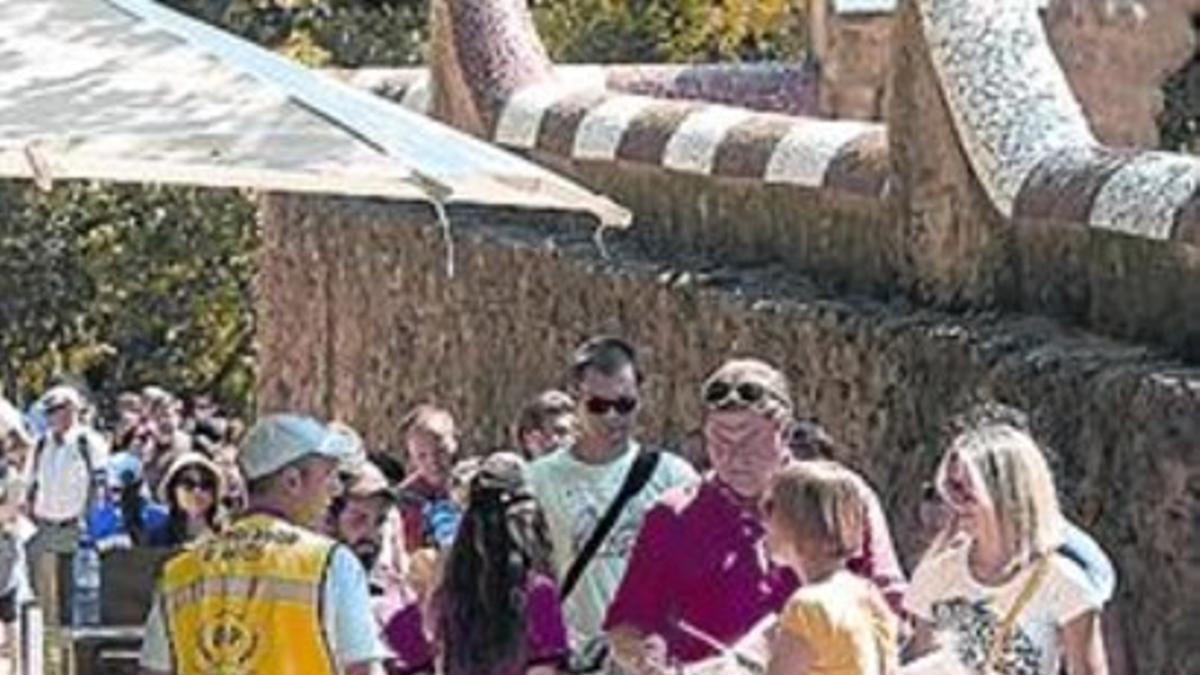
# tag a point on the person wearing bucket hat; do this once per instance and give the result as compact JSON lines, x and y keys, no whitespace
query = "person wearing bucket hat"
{"x":191,"y":489}
{"x":278,"y":596}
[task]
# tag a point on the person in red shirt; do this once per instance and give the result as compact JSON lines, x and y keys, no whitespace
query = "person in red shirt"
{"x":431,"y":446}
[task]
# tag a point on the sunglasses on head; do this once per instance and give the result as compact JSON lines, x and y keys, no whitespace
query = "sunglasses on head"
{"x":722,"y":394}
{"x":623,"y":405}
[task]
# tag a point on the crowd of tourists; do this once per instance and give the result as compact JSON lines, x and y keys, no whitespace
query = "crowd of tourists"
{"x":749,"y":548}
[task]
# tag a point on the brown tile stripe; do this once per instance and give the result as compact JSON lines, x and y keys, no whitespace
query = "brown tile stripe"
{"x":560,"y":122}
{"x":1062,"y":189}
{"x":860,"y":166}
{"x":746,"y":149}
{"x":1187,"y":221}
{"x":647,"y":135}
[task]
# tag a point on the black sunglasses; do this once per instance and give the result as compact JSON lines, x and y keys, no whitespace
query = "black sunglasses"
{"x":189,"y":483}
{"x":721,"y":394}
{"x":600,"y":406}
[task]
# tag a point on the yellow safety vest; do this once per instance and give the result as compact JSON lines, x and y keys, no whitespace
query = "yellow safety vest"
{"x":248,"y":602}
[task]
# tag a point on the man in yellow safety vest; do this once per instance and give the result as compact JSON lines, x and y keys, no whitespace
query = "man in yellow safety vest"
{"x":268,"y":595}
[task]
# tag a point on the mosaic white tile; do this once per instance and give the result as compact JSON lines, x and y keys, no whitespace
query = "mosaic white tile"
{"x":600,"y":132}
{"x":1006,"y":92}
{"x":522,"y":114}
{"x":804,"y":154}
{"x":418,"y":96}
{"x":694,"y":144}
{"x":1143,"y":197}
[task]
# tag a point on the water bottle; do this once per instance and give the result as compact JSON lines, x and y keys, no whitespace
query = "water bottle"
{"x":85,"y":568}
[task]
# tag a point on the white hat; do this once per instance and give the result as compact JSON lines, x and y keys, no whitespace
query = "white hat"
{"x":278,"y":440}
{"x":62,"y":395}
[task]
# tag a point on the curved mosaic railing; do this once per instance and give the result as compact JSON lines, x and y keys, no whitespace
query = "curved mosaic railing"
{"x":786,"y":88}
{"x":488,"y":56}
{"x":1026,"y":136}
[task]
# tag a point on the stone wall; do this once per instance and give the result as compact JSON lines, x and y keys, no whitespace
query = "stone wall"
{"x":358,"y":320}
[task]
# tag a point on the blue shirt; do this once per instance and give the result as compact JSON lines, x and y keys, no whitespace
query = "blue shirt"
{"x":106,"y":525}
{"x":1080,"y":548}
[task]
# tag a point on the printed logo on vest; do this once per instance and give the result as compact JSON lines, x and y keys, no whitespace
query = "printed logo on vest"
{"x":227,"y":645}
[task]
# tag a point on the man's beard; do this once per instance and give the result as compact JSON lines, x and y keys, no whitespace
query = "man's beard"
{"x":367,"y":553}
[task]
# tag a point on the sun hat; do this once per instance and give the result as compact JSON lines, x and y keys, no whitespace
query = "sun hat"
{"x":367,"y":480}
{"x":62,"y":395}
{"x":276,"y":441}
{"x":185,"y":461}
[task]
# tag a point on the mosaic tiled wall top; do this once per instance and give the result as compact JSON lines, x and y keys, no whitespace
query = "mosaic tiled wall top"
{"x":578,"y":114}
{"x":1016,"y":118}
{"x":1026,"y":136}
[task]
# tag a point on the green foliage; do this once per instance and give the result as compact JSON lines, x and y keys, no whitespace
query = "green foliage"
{"x":342,"y":33}
{"x":127,"y":286}
{"x":1179,"y":121}
{"x":646,"y":31}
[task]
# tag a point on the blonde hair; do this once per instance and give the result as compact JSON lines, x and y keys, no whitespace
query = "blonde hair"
{"x":821,"y":501}
{"x":1008,"y":464}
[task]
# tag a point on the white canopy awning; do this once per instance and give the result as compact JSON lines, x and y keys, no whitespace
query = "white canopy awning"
{"x":129,"y":90}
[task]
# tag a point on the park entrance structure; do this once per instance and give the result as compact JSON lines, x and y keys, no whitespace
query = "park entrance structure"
{"x":130,"y":91}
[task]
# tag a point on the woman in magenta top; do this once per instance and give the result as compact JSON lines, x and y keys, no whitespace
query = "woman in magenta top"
{"x":699,"y":573}
{"x":497,"y":610}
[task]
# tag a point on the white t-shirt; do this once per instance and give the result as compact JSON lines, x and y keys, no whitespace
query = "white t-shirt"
{"x":966,"y":614}
{"x":61,"y":474}
{"x":574,"y":496}
{"x":349,"y":628}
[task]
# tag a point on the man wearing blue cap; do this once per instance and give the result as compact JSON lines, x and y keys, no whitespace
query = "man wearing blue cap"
{"x":269,"y":594}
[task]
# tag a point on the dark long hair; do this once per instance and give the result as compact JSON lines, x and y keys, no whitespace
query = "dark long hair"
{"x":177,"y":532}
{"x":501,"y":542}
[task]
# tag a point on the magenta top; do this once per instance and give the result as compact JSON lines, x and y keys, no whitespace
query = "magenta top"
{"x":701,"y":558}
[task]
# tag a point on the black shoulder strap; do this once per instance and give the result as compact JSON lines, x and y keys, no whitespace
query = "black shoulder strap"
{"x":38,"y":451}
{"x":639,"y":474}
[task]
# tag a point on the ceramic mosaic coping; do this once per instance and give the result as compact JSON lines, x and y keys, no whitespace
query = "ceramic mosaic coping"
{"x":1025,"y":134}
{"x":786,"y":88}
{"x":580,"y":118}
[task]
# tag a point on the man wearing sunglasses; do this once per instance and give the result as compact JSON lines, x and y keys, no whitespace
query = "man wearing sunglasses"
{"x":596,"y":491}
{"x":699,"y":580}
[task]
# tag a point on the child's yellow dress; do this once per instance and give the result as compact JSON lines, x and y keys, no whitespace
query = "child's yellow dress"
{"x":846,"y":624}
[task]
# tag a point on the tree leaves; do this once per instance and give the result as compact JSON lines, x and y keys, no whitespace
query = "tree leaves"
{"x":127,"y":285}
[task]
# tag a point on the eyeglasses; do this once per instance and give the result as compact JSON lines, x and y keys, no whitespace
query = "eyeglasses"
{"x":721,"y":394}
{"x":623,"y":405}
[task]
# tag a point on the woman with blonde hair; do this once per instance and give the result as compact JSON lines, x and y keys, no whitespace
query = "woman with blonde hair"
{"x":994,"y":596}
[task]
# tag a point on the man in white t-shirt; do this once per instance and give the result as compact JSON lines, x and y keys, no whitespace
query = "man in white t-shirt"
{"x":575,"y":485}
{"x":62,"y":474}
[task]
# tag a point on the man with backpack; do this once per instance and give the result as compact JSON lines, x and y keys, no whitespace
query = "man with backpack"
{"x":62,"y":473}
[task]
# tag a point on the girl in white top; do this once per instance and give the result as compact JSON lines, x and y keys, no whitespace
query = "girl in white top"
{"x":993,"y":597}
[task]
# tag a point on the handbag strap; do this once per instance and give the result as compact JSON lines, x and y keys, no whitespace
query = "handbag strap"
{"x":639,"y":474}
{"x":1000,"y":640}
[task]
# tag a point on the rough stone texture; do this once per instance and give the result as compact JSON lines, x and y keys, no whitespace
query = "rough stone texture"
{"x":1117,"y":66}
{"x":959,"y":251}
{"x":854,"y":68}
{"x":359,"y":321}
